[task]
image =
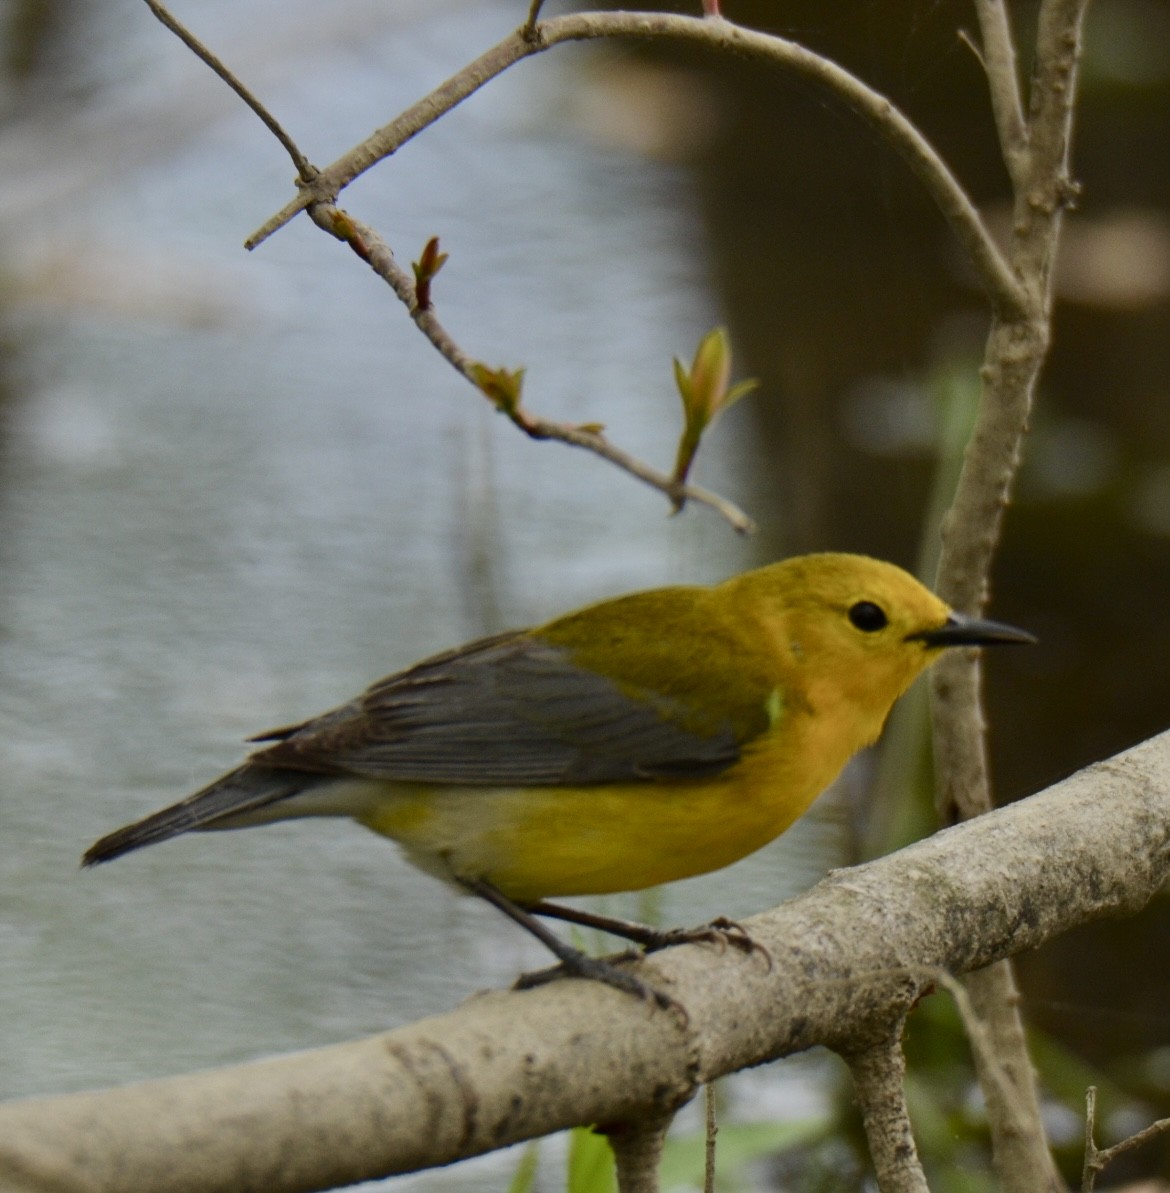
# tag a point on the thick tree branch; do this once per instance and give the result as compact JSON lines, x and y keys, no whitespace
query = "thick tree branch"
{"x":850,"y":957}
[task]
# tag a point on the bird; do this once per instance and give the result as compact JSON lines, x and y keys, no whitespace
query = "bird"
{"x":633,"y":742}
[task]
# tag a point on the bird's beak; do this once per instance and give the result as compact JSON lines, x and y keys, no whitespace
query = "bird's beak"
{"x":961,"y":630}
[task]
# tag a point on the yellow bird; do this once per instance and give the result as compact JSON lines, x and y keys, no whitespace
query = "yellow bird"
{"x":636,"y":741}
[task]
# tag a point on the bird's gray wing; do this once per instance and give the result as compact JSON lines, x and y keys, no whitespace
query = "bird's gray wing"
{"x":511,"y":709}
{"x":230,"y":799}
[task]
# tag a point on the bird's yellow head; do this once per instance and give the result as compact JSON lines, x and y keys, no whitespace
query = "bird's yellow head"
{"x":854,"y":632}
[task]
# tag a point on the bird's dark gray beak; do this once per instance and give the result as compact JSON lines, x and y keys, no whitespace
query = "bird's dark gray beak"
{"x":961,"y":630}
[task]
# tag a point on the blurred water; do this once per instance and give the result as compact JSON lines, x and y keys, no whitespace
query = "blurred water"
{"x":236,"y":489}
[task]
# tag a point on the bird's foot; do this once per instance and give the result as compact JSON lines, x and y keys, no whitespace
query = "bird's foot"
{"x":583,"y":966}
{"x":721,"y":931}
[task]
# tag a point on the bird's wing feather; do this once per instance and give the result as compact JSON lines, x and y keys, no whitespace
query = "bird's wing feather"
{"x":514,"y":709}
{"x":240,"y":792}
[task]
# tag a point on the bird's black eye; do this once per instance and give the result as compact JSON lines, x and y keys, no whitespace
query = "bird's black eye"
{"x":868,"y":617}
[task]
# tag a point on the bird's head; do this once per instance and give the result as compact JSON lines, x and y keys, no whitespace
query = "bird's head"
{"x":858,"y":630}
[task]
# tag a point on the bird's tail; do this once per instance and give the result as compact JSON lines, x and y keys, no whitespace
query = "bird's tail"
{"x":229,"y":802}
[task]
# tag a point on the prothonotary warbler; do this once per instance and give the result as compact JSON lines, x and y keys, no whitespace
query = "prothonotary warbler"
{"x":636,"y":741}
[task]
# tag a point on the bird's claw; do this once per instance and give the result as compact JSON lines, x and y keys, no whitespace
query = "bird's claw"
{"x":720,"y":931}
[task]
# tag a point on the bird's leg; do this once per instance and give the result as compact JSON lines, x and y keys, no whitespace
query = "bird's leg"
{"x":649,"y":938}
{"x":572,"y":960}
{"x":719,"y":931}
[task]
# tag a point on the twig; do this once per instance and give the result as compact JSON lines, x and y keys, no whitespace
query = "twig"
{"x":987,"y":1058}
{"x":879,"y":1080}
{"x":972,"y":45}
{"x":305,"y":169}
{"x":1001,"y":1091}
{"x":529,"y":26}
{"x":1097,"y":1158}
{"x":711,"y":1115}
{"x":317,"y":193}
{"x":319,"y":189}
{"x":997,"y":279}
{"x":999,"y":64}
{"x":375,"y":252}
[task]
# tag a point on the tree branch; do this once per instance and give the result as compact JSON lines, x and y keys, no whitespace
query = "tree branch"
{"x":637,"y":1152}
{"x":879,"y":1074}
{"x":305,"y":169}
{"x":1016,"y":346}
{"x":377,"y":254}
{"x":320,"y":189}
{"x":1097,"y":1158}
{"x":711,"y":1131}
{"x":1001,"y":286}
{"x":849,"y":959}
{"x":1003,"y":79}
{"x":983,"y":1047}
{"x":1015,"y":353}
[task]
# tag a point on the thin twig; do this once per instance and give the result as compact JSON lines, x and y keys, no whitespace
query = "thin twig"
{"x":975,"y":49}
{"x":1091,"y":1166}
{"x":711,"y":1114}
{"x":1003,"y":80}
{"x":997,"y":279}
{"x":305,"y":169}
{"x":982,"y":1044}
{"x":318,"y":197}
{"x":529,"y":25}
{"x":371,"y":248}
{"x":1097,"y":1158}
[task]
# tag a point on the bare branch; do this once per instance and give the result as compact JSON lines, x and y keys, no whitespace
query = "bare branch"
{"x":1020,"y":1151}
{"x":507,"y":1067}
{"x":1092,"y":1165}
{"x":529,"y":25}
{"x":637,"y":1152}
{"x":1002,"y":287}
{"x":408,"y":124}
{"x":999,"y":63}
{"x":879,"y":1074}
{"x":711,"y":1117}
{"x":305,"y":169}
{"x":1096,"y":1158}
{"x":983,"y":1046}
{"x":319,"y":189}
{"x":375,"y":252}
{"x":1009,"y":1091}
{"x":975,"y":48}
{"x":1048,"y":188}
{"x":1015,"y":353}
